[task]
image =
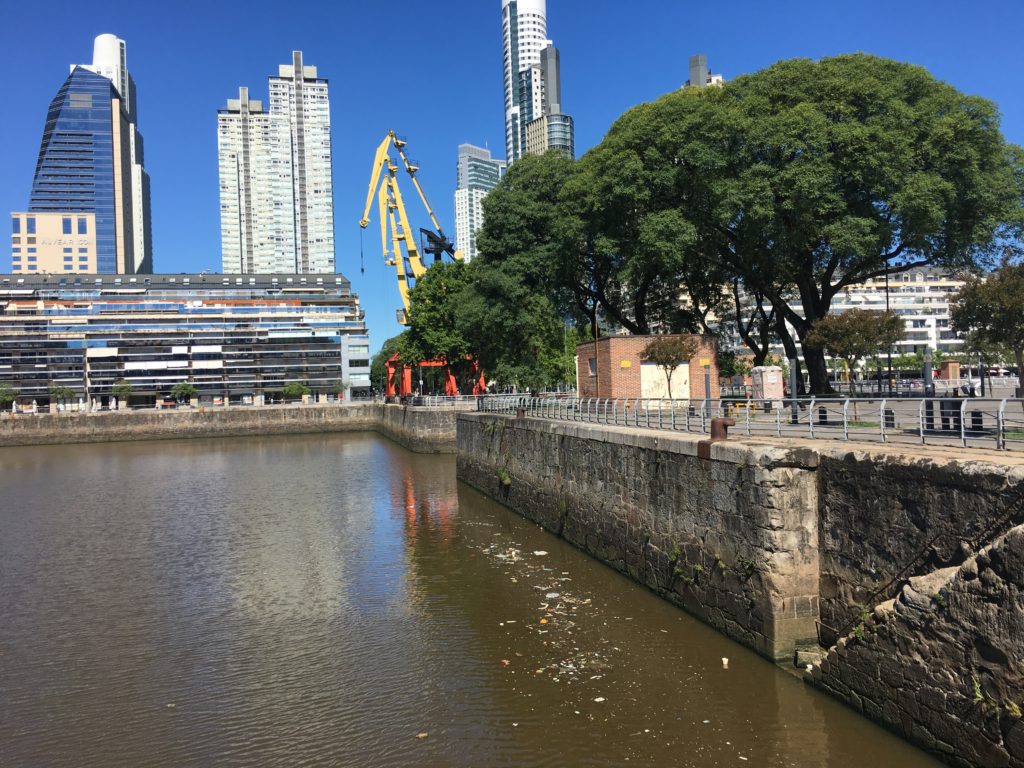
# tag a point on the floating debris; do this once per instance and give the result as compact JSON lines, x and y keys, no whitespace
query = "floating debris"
{"x":539,"y":552}
{"x":599,"y":699}
{"x":422,"y":735}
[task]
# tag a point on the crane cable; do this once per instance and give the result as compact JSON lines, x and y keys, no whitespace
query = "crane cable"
{"x":362,"y":266}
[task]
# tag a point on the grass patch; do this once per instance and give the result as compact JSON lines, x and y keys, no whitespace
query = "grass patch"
{"x":863,"y":423}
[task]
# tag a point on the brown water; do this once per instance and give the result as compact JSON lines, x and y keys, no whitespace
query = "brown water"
{"x":327,"y":600}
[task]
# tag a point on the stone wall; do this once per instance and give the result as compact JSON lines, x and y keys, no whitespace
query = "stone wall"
{"x":758,"y":539}
{"x":732,"y":538}
{"x":881,"y":509}
{"x":426,"y":430}
{"x":941,"y":665}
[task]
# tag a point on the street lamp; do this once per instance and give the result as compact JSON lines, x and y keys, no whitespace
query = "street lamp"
{"x":887,"y":312}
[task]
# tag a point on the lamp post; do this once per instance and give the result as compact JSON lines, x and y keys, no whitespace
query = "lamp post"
{"x":887,"y":312}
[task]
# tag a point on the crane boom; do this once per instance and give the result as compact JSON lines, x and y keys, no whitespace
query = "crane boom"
{"x":404,"y":254}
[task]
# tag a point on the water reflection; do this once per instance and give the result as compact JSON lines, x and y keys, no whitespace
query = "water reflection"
{"x":322,"y":600}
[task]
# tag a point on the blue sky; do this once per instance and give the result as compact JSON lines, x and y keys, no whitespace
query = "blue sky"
{"x":432,"y":71}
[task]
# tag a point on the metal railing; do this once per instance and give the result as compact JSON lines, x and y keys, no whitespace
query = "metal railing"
{"x":958,"y":422}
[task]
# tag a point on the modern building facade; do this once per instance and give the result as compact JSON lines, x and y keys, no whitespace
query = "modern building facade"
{"x":276,"y":188}
{"x":237,"y":339}
{"x":109,"y":58}
{"x":532,"y":79}
{"x":89,"y":168}
{"x":921,"y":297}
{"x":476,"y":174}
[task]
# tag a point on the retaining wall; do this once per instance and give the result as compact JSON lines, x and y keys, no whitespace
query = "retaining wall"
{"x":733,"y":539}
{"x":426,"y":430}
{"x":759,"y":540}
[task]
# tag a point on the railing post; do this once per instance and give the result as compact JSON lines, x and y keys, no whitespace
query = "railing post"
{"x":810,"y":416}
{"x":748,"y":417}
{"x":846,"y":421}
{"x":920,"y":420}
{"x":672,"y":415}
{"x":881,"y":419}
{"x":661,"y":413}
{"x":687,"y":406}
{"x":778,"y":422}
{"x":647,"y":411}
{"x":703,"y":409}
{"x":1000,"y":430}
{"x":963,"y":422}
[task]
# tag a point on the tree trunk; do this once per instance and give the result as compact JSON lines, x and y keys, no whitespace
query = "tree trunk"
{"x":791,"y":351}
{"x":817,"y":370}
{"x":1019,"y":354}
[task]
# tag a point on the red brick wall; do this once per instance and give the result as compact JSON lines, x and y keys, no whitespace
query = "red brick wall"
{"x":616,"y":381}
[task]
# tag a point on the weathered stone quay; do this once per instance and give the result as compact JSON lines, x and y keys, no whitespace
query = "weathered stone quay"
{"x":420,"y":429}
{"x":902,"y":566}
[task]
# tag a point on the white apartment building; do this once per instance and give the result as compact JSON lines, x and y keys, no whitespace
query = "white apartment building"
{"x":475,"y":176}
{"x":276,"y":190}
{"x":524,"y":35}
{"x":920,"y":296}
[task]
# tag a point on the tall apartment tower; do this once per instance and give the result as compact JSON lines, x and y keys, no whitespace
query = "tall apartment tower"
{"x":475,"y":175}
{"x":276,"y":190}
{"x":89,"y":207}
{"x":534,"y":121}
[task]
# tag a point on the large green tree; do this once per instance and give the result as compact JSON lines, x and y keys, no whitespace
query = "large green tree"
{"x":434,"y":305}
{"x":852,"y":167}
{"x":990,"y":312}
{"x":856,"y":334}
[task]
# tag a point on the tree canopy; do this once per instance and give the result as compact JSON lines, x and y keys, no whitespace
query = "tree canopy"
{"x":991,"y":312}
{"x":856,"y":334}
{"x":781,"y":189}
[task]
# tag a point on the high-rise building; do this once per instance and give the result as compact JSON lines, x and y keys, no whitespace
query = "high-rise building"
{"x":110,"y":60}
{"x":476,"y":174}
{"x":533,"y":92}
{"x":89,"y":206}
{"x":700,"y":75}
{"x":276,"y":191}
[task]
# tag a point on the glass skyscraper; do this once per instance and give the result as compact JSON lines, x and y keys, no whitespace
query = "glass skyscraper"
{"x":76,"y":166}
{"x":476,"y":174}
{"x":89,"y":206}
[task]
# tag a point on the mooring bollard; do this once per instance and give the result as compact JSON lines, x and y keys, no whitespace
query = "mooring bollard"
{"x":719,"y":432}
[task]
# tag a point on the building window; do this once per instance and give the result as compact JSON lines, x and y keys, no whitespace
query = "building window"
{"x":83,"y":225}
{"x":83,"y":250}
{"x":66,"y":225}
{"x":68,"y":259}
{"x":31,"y":250}
{"x":67,"y":250}
{"x":16,"y":259}
{"x":30,"y":224}
{"x":592,"y":364}
{"x":16,"y":250}
{"x":16,"y":225}
{"x":68,"y":267}
{"x":31,"y":258}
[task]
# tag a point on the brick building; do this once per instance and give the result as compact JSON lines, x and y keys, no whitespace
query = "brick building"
{"x":617,"y":370}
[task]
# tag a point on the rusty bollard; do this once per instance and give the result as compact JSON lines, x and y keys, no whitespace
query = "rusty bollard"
{"x":719,"y":432}
{"x":720,"y":429}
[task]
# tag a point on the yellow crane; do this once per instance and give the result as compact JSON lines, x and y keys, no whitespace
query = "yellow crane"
{"x":398,"y":241}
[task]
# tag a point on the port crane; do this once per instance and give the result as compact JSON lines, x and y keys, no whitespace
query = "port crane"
{"x":398,"y":241}
{"x":400,"y":249}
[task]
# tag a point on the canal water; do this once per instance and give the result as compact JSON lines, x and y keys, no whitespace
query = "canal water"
{"x":338,"y":601}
